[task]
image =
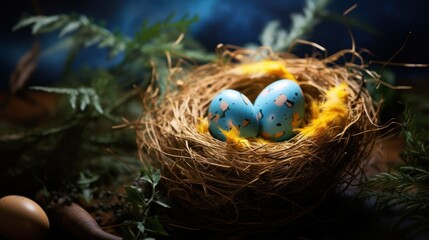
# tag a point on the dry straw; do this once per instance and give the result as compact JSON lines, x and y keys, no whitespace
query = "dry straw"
{"x":212,"y":184}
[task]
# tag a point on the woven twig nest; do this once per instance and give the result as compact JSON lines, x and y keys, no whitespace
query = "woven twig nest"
{"x":255,"y":184}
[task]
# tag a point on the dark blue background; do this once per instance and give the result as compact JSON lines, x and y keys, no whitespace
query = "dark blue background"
{"x":223,"y":21}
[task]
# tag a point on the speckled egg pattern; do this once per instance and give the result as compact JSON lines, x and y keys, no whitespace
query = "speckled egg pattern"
{"x":231,"y":108}
{"x":280,"y":109}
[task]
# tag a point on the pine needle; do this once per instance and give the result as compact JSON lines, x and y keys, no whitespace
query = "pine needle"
{"x":405,"y":188}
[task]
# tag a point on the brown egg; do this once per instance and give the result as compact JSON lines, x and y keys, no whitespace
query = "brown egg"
{"x":22,"y":218}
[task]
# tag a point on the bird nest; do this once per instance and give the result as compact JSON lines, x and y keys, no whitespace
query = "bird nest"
{"x":250,"y":184}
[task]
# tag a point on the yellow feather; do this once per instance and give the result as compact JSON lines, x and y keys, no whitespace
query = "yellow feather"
{"x":258,"y":69}
{"x":314,"y":110}
{"x":333,"y":113}
{"x":202,"y":125}
{"x":233,"y":136}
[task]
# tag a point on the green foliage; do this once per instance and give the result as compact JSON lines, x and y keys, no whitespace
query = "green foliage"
{"x":79,"y":145}
{"x":169,"y":28}
{"x":146,"y":50}
{"x":81,"y":96}
{"x":143,"y":196}
{"x":418,"y":123}
{"x":80,"y":137}
{"x":85,"y":32}
{"x":302,"y":23}
{"x":416,"y":151}
{"x":72,"y":141}
{"x":406,"y":189}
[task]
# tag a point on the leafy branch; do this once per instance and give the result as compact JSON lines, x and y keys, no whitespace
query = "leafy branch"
{"x":142,"y":196}
{"x":416,"y":151}
{"x":407,"y":188}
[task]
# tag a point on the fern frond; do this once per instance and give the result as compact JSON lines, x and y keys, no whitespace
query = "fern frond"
{"x":406,"y":189}
{"x":405,"y":179}
{"x":415,"y":148}
{"x":302,"y":23}
{"x":84,"y":31}
{"x":42,"y":23}
{"x":82,"y":96}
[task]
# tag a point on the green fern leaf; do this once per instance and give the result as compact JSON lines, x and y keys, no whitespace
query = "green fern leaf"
{"x":70,"y":27}
{"x":83,"y":96}
{"x":280,"y":39}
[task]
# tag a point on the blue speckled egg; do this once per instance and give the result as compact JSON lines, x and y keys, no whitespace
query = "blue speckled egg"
{"x":280,"y":109}
{"x":231,"y":108}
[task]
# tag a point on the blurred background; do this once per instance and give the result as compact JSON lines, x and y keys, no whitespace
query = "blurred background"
{"x":379,"y":26}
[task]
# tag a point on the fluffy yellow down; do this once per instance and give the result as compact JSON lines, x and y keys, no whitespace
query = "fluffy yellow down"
{"x":232,"y":136}
{"x":258,"y":69}
{"x":330,"y":116}
{"x":202,"y":125}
